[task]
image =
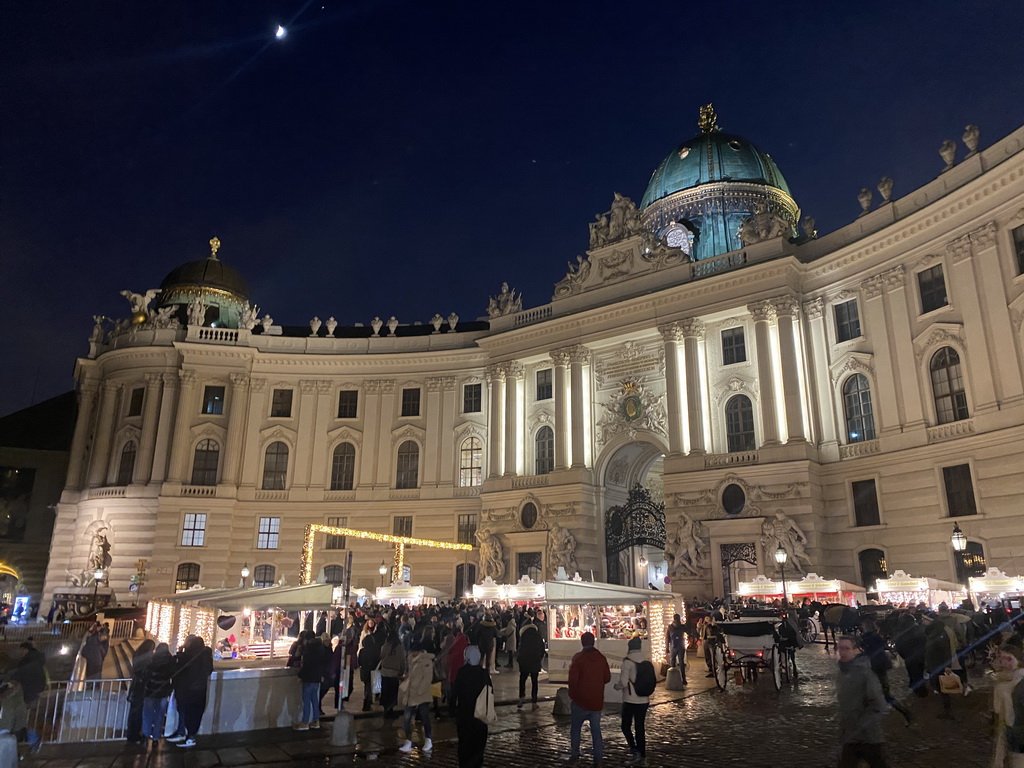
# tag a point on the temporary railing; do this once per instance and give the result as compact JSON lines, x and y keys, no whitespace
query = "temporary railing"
{"x":83,"y":710}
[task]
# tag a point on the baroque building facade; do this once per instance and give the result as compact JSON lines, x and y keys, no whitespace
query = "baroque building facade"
{"x":711,"y":381}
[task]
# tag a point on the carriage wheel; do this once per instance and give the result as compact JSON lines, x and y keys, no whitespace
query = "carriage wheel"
{"x":808,"y":631}
{"x":776,"y":668}
{"x":718,"y":667}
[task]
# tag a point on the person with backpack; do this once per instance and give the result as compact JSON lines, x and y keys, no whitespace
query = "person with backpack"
{"x":637,"y":682}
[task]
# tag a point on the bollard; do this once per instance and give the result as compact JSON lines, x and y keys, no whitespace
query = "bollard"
{"x":343,"y":731}
{"x":674,"y":680}
{"x":562,"y":704}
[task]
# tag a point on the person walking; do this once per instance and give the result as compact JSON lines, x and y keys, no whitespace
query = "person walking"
{"x":193,"y":667}
{"x":486,"y":639}
{"x":676,"y":642}
{"x":369,"y":660}
{"x":414,"y":694}
{"x":392,"y":667}
{"x":30,"y":673}
{"x":470,"y":681}
{"x":874,"y":648}
{"x":94,"y":650}
{"x":314,"y":661}
{"x":510,"y":636}
{"x":588,"y":674}
{"x":634,"y":704}
{"x":156,"y":690}
{"x":939,"y":654}
{"x":530,"y":655}
{"x":862,"y":707}
{"x":1008,"y":720}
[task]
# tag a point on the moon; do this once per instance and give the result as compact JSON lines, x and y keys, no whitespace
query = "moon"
{"x":281,"y":32}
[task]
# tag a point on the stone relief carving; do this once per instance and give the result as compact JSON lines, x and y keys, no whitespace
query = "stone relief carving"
{"x":631,"y":358}
{"x":711,"y":497}
{"x":162,"y":318}
{"x":614,"y":265}
{"x":814,"y":308}
{"x":854,"y":363}
{"x":623,"y":219}
{"x":762,"y":225}
{"x":561,"y":550}
{"x":492,"y":555}
{"x":946,"y":334}
{"x":574,"y":279}
{"x":686,"y":549}
{"x":634,"y":408}
{"x":763,"y":310}
{"x":196,"y":312}
{"x":507,"y":302}
{"x":782,"y":531}
{"x":617,"y":471}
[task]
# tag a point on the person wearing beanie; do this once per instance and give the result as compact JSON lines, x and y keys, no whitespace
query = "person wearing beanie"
{"x":414,"y":694}
{"x":1008,"y":707}
{"x":588,"y":674}
{"x":634,"y":706}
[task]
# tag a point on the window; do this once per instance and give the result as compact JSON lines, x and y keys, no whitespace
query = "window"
{"x":860,"y":420}
{"x":343,"y":467}
{"x":402,"y":526}
{"x":135,"y":403}
{"x":348,"y":403}
{"x":268,"y":533}
{"x":336,"y":542}
{"x":465,"y":578}
{"x":972,"y":561}
{"x":193,"y":531}
{"x":188,"y":576}
{"x":213,"y":400}
{"x":545,"y":450}
{"x":948,"y":387}
{"x":959,"y":490}
{"x":847,"y":321}
{"x":739,"y":424}
{"x":872,"y":567}
{"x":865,"y":502}
{"x":126,"y":467}
{"x":933,"y":289}
{"x":275,"y":467}
{"x":528,"y":515}
{"x":263,"y":575}
{"x":334,"y":575}
{"x":281,"y":404}
{"x":545,"y":388}
{"x":734,"y":346}
{"x":471,"y":462}
{"x":472,"y":398}
{"x":410,"y":402}
{"x":467,"y":529}
{"x":1018,"y":248}
{"x":204,"y":463}
{"x":408,"y":474}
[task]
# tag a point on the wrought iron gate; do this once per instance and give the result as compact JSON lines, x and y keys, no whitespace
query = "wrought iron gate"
{"x":638,"y":522}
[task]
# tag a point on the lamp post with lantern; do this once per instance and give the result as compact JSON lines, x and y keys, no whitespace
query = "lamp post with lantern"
{"x":97,"y":575}
{"x":781,"y":556}
{"x":245,"y":575}
{"x":959,"y":542}
{"x":382,"y":571}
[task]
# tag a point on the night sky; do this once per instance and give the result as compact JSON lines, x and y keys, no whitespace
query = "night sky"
{"x":405,"y":158}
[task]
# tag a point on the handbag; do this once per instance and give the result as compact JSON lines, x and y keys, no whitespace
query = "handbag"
{"x":375,"y":680}
{"x":171,"y":723}
{"x":950,"y":683}
{"x":484,"y":708}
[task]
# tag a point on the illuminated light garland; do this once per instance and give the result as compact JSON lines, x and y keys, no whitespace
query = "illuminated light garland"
{"x":401,"y":542}
{"x":184,"y":625}
{"x":204,"y":625}
{"x":164,"y":620}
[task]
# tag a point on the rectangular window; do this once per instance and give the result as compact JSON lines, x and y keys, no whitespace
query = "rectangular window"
{"x":411,"y":402}
{"x":213,"y":400}
{"x":268,"y":533}
{"x":193,"y":532}
{"x":348,"y":403}
{"x":281,"y":404}
{"x":933,"y":289}
{"x":865,"y":502}
{"x":135,"y":404}
{"x":403,"y":526}
{"x":467,"y":529}
{"x":734,"y":346}
{"x":336,"y":542}
{"x":959,"y":490}
{"x":1018,"y":248}
{"x":472,"y":398}
{"x":545,"y":387}
{"x":847,"y":321}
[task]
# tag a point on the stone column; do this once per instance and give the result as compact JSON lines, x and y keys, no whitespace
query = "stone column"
{"x":431,"y":461}
{"x":764,"y":313}
{"x":102,"y":435}
{"x":385,"y":464}
{"x":147,"y":443}
{"x":305,"y":439}
{"x":447,"y":449}
{"x":238,"y":404}
{"x":495,"y":375}
{"x":787,"y":308}
{"x":966,"y":295}
{"x":513,"y":375}
{"x":561,"y":360}
{"x":908,"y":401}
{"x":672,"y":334}
{"x":325,"y":405}
{"x":165,"y":429}
{"x":824,"y":415}
{"x":693,"y":334}
{"x":577,"y":357}
{"x":183,"y":421}
{"x":252,"y":448}
{"x":87,"y":396}
{"x":876,"y":326}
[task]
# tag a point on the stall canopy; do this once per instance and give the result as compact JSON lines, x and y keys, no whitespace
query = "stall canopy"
{"x":995,"y":582}
{"x":305,"y":597}
{"x":408,"y":594}
{"x":597,"y":593}
{"x":901,"y":587}
{"x":524,"y":590}
{"x":810,"y":585}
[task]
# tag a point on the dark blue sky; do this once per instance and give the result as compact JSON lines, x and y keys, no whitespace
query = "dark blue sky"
{"x":407,"y":157}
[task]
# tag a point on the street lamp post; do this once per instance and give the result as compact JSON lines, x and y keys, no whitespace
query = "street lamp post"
{"x":245,"y":575}
{"x":781,"y":556}
{"x":96,"y":576}
{"x":382,"y":571}
{"x":959,"y":542}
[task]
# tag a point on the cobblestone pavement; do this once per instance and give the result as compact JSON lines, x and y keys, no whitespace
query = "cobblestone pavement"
{"x":753,"y":726}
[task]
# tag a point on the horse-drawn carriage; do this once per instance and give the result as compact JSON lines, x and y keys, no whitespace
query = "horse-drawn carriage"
{"x":747,"y":647}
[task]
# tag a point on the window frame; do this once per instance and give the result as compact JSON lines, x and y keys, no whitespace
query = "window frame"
{"x":331,"y":541}
{"x":859,"y":563}
{"x":213,"y":404}
{"x":126,"y":463}
{"x":206,"y":470}
{"x":412,"y":399}
{"x":958,"y":399}
{"x":729,"y":436}
{"x":544,"y":390}
{"x":277,"y":410}
{"x":845,"y":326}
{"x":350,"y":461}
{"x":466,"y":526}
{"x":861,"y":397}
{"x":395,"y":525}
{"x":134,"y":409}
{"x":268,"y":533}
{"x":197,"y":529}
{"x":475,"y":470}
{"x":854,"y":514}
{"x":730,"y":349}
{"x":187,"y":580}
{"x":407,"y":477}
{"x":944,"y":491}
{"x":1017,"y":245}
{"x":927,"y":306}
{"x":262,"y":570}
{"x":335,"y":583}
{"x":279,"y":477}
{"x":544,"y":451}
{"x":343,"y":395}
{"x":477,"y":400}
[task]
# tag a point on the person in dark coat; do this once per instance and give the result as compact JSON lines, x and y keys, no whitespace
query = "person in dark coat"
{"x":910,"y":641}
{"x":314,"y":663}
{"x":369,"y":658}
{"x":192,"y":669}
{"x":469,"y":682}
{"x":156,"y":690}
{"x":530,"y":655}
{"x":94,"y":651}
{"x":140,"y":666}
{"x":30,"y":673}
{"x":486,"y":637}
{"x":873,"y":646}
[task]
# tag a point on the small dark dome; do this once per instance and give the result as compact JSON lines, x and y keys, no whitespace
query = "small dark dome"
{"x":207,"y":273}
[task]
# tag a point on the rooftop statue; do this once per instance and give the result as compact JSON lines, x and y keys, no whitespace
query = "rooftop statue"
{"x":505,"y":303}
{"x":140,"y":301}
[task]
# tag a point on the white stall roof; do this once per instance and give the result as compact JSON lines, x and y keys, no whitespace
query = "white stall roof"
{"x":599,"y":593}
{"x":305,"y":597}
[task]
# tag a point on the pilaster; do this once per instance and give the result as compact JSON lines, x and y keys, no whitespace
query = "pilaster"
{"x":672,"y":335}
{"x":147,"y":443}
{"x":763,"y":313}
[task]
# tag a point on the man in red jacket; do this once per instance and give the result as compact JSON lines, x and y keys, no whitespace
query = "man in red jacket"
{"x":588,"y":674}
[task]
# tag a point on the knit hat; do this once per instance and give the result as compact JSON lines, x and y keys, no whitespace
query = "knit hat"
{"x":587,"y":639}
{"x":633,"y":644}
{"x":471,"y":655}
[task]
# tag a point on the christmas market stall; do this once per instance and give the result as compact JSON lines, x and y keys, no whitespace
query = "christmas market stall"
{"x":901,"y":587}
{"x":810,"y":586}
{"x":405,"y":594}
{"x":524,"y":592}
{"x":996,"y":585}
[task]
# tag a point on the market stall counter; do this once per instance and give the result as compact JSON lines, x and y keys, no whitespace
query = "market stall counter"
{"x":900,"y":587}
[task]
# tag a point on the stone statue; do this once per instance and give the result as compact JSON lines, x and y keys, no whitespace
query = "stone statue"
{"x":505,"y":303}
{"x":392,"y":325}
{"x":331,"y":324}
{"x":437,"y":321}
{"x":140,"y":301}
{"x":561,"y":549}
{"x":376,"y":324}
{"x":574,"y":278}
{"x":885,"y":189}
{"x":685,"y":550}
{"x":809,"y":227}
{"x":100,"y":557}
{"x":970,"y":139}
{"x":948,"y":154}
{"x":97,"y":329}
{"x":453,"y":320}
{"x":314,"y":325}
{"x":762,"y":225}
{"x":599,"y":230}
{"x":196,"y":312}
{"x":864,"y":198}
{"x":492,"y":559}
{"x":623,"y":218}
{"x":247,"y":320}
{"x":266,"y":322}
{"x":784,"y":532}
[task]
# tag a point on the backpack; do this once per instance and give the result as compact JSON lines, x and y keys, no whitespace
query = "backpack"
{"x":646,"y":681}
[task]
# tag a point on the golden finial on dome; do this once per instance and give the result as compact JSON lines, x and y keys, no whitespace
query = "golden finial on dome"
{"x":214,"y":247}
{"x":708,"y":120}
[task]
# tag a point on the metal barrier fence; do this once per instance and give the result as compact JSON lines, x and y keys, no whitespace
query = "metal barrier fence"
{"x":71,"y":630}
{"x":83,"y":710}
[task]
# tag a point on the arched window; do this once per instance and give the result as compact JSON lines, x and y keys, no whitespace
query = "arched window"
{"x":860,"y":418}
{"x":263,"y":575}
{"x":408,"y":474}
{"x":948,"y":386}
{"x":275,"y":467}
{"x":739,"y":424}
{"x":343,"y":467}
{"x":188,"y":576}
{"x":204,"y":463}
{"x":544,"y":450}
{"x":872,"y":567}
{"x":334,"y":575}
{"x":465,"y":578}
{"x":126,"y":467}
{"x":471,"y":462}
